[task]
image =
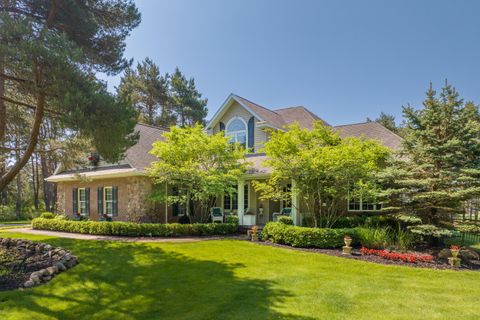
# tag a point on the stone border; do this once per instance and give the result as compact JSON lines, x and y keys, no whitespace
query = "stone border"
{"x":59,"y":259}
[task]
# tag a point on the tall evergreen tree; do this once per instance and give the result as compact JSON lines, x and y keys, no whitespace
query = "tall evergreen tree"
{"x":439,"y":167}
{"x":147,"y":89}
{"x":186,"y":100}
{"x":49,"y":52}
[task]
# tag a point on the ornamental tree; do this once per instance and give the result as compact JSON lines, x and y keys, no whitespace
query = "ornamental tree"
{"x":439,"y":166}
{"x":49,"y":53}
{"x":324,"y":166}
{"x":198,"y":165}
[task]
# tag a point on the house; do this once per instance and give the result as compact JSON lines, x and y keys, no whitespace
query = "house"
{"x":120,"y":191}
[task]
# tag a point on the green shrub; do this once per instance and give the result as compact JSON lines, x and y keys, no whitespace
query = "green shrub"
{"x":134,"y":229}
{"x":61,"y":217}
{"x":375,"y":238}
{"x":232,"y":219}
{"x":286,"y":220}
{"x":47,"y":215}
{"x":404,"y":239}
{"x":306,"y":237}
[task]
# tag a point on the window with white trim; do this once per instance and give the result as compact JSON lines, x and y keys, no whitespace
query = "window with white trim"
{"x":237,"y":131}
{"x":108,"y":200}
{"x":82,"y":201}
{"x":359,"y":202}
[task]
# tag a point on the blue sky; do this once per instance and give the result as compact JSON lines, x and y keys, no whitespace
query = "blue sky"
{"x":344,"y":60}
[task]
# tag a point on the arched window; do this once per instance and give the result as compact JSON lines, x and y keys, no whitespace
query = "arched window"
{"x":237,"y":130}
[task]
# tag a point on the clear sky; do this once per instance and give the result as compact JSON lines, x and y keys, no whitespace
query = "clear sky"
{"x":344,"y":60}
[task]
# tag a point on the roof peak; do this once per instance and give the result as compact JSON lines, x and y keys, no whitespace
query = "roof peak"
{"x":152,"y":126}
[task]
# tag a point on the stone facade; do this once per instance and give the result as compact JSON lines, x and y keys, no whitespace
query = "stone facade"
{"x":133,"y":202}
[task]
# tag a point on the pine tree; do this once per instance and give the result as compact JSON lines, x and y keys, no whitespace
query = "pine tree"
{"x":49,"y":53}
{"x":186,"y":100}
{"x":147,"y":89}
{"x":439,"y":166}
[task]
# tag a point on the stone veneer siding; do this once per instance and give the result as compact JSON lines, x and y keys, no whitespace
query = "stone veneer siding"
{"x":133,"y":203}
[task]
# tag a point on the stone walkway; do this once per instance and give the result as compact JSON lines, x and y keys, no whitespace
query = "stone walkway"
{"x":80,"y":236}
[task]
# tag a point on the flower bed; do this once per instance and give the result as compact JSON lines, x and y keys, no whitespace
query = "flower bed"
{"x":135,"y":229}
{"x":405,"y":257}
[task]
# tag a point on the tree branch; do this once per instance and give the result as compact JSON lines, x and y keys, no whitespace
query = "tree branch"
{"x":6,"y":178}
{"x":12,"y":78}
{"x":23,"y":104}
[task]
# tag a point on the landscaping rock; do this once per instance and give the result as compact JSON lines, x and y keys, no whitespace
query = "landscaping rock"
{"x":468,"y":255}
{"x":444,"y":254}
{"x":38,"y":262}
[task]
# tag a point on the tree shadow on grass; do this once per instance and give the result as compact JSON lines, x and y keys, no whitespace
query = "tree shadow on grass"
{"x":138,"y":281}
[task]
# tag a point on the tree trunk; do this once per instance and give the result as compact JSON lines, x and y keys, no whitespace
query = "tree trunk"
{"x":35,"y":182}
{"x":10,"y":175}
{"x":18,"y":201}
{"x":48,"y":187}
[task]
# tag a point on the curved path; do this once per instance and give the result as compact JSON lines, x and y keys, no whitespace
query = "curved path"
{"x":80,"y":236}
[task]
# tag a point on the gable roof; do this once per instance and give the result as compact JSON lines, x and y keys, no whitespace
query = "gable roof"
{"x":136,"y":159}
{"x":371,"y":130}
{"x":138,"y":156}
{"x":278,"y":118}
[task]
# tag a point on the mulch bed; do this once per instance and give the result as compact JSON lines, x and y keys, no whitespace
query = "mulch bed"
{"x":438,"y":263}
{"x":25,"y":264}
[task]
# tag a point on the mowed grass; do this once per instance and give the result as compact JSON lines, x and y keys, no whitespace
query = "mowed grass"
{"x":229,"y":279}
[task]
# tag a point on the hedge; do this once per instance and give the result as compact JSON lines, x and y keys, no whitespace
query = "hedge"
{"x":307,"y":237}
{"x":134,"y":229}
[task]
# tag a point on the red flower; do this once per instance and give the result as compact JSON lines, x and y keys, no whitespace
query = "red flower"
{"x":454,"y":248}
{"x":405,"y":257}
{"x":90,"y":158}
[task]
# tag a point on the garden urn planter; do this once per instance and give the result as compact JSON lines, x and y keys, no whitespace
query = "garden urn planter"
{"x":454,"y":261}
{"x":454,"y":251}
{"x":347,"y":249}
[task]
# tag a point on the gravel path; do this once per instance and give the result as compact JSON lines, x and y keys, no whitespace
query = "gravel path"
{"x":116,"y":238}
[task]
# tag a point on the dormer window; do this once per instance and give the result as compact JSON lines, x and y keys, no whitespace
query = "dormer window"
{"x":237,"y":130}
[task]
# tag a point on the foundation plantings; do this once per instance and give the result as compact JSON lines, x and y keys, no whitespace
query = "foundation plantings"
{"x":25,"y":264}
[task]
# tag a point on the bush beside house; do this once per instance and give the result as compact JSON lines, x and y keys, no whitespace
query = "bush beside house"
{"x":135,"y":229}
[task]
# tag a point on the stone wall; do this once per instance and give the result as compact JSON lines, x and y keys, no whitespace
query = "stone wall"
{"x":133,"y":202}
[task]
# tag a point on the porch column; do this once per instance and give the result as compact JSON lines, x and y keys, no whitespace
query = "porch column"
{"x":240,"y":201}
{"x":295,"y":215}
{"x":166,"y":203}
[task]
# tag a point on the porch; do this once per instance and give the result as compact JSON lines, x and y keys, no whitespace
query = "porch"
{"x":246,"y":204}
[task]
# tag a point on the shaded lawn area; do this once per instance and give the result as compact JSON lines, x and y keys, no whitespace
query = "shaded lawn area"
{"x":228,"y":279}
{"x":16,"y":222}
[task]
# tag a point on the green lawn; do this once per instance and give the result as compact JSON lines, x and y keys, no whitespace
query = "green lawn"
{"x":16,"y":222}
{"x":237,"y":280}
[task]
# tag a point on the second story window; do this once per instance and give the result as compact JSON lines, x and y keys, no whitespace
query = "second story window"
{"x":237,"y":131}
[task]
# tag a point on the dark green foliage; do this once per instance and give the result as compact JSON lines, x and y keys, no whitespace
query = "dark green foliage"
{"x":135,"y":229}
{"x":439,"y":167}
{"x":285,"y":220}
{"x":306,"y":237}
{"x":186,"y":100}
{"x":184,"y":219}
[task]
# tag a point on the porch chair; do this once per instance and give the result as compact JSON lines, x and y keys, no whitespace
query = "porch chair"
{"x":284,"y":212}
{"x":217,"y":214}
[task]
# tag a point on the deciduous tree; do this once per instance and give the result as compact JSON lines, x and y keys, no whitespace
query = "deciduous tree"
{"x":200,"y":166}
